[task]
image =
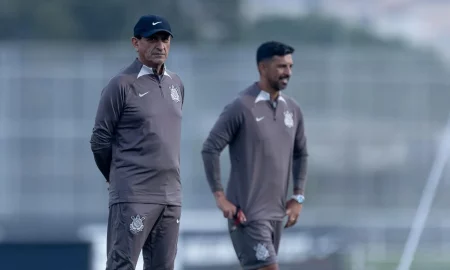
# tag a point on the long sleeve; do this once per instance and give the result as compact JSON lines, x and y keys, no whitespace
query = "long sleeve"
{"x":300,"y":155}
{"x":182,"y":94}
{"x":223,"y":132}
{"x":110,"y":108}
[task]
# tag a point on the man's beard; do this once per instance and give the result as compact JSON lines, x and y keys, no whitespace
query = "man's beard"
{"x":279,"y":85}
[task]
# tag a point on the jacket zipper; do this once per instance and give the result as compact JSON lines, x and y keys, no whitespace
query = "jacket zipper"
{"x":158,"y":78}
{"x":274,"y":109}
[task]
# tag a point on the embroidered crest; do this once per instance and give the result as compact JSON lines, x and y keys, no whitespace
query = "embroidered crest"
{"x":288,"y":119}
{"x":174,"y":93}
{"x":262,"y":253}
{"x":137,"y":225}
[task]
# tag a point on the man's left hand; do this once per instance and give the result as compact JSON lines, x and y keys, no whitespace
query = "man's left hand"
{"x":293,"y":209}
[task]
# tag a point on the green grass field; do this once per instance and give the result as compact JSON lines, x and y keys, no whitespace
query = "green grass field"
{"x":429,"y":261}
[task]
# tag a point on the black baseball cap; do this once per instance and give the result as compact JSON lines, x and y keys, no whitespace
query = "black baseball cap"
{"x":150,"y":24}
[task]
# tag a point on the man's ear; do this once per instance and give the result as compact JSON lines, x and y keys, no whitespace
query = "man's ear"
{"x":134,"y":42}
{"x":261,"y":67}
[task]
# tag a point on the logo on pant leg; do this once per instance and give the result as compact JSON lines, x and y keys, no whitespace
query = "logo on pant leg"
{"x":137,"y":225}
{"x":262,"y":253}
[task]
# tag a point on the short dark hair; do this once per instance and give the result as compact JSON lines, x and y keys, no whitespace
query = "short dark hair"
{"x":270,"y":49}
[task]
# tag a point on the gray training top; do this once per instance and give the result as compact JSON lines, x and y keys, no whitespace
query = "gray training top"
{"x":266,"y":140}
{"x":137,"y":133}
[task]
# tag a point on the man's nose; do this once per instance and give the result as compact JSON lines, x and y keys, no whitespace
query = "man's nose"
{"x":159,"y":45}
{"x":287,"y":72}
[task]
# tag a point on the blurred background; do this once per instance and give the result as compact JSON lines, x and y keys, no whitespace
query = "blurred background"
{"x":372,"y":79}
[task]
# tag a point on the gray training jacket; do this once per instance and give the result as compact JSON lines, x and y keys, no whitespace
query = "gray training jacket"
{"x":136,"y":136}
{"x":267,"y":145}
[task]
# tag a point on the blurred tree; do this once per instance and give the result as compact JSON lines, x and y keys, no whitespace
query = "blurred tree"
{"x":8,"y":11}
{"x":20,"y":19}
{"x":315,"y":29}
{"x":192,"y":20}
{"x":52,"y":19}
{"x":214,"y":20}
{"x":99,"y":20}
{"x":106,"y":20}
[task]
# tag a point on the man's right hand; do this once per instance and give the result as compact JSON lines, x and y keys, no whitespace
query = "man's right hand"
{"x":228,"y":209}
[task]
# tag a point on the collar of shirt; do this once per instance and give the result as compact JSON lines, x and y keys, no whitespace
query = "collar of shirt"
{"x":264,"y":96}
{"x":145,"y":70}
